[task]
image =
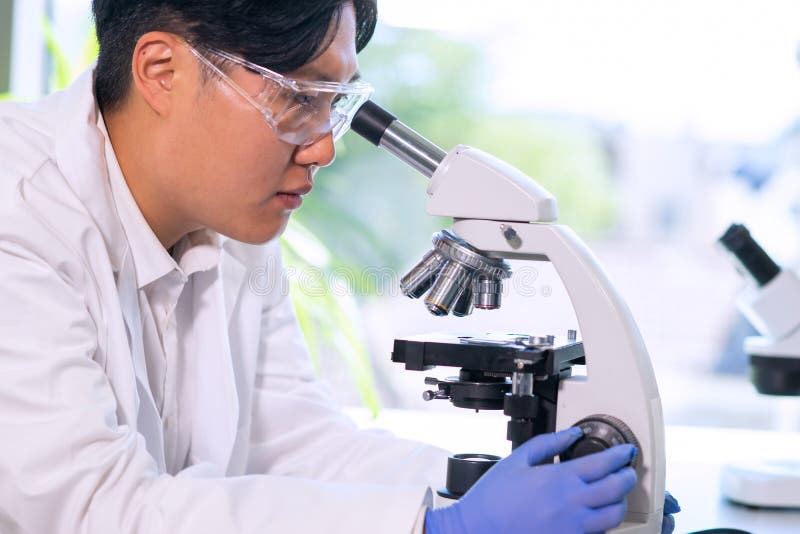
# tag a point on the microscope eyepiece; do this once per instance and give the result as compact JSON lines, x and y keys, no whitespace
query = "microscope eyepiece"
{"x":738,"y":241}
{"x":371,"y":122}
{"x":382,"y":129}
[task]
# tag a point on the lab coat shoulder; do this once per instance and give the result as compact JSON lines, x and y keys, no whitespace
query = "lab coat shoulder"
{"x":58,"y":401}
{"x":27,"y":139}
{"x":39,"y":211}
{"x":47,"y":226}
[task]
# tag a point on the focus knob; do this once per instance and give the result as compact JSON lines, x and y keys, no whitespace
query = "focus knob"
{"x":601,"y":432}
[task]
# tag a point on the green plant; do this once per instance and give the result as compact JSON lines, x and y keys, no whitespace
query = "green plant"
{"x":439,"y":86}
{"x":64,"y":70}
{"x":326,"y":318}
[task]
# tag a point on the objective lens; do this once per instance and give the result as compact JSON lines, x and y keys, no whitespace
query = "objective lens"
{"x":488,"y":291}
{"x":452,"y":281}
{"x":421,"y":277}
{"x":464,"y":304}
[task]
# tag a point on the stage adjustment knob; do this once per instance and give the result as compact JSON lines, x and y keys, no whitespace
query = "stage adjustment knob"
{"x":601,"y":432}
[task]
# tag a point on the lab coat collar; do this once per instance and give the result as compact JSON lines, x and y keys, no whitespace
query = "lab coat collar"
{"x":249,"y":256}
{"x":148,"y":418}
{"x":150,"y":259}
{"x":197,"y":251}
{"x":79,"y":156}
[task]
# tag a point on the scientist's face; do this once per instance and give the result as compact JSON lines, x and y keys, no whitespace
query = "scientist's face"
{"x":230,"y":172}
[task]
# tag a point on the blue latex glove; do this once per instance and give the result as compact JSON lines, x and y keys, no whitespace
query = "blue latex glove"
{"x":519,"y":495}
{"x":671,"y":506}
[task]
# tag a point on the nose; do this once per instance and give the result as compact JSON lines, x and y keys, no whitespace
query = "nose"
{"x":319,"y":154}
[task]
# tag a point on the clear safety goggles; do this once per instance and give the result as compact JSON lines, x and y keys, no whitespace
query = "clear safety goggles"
{"x":300,"y":112}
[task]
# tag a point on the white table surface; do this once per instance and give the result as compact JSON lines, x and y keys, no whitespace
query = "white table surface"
{"x":694,"y":459}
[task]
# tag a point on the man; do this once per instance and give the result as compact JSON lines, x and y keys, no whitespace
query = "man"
{"x":144,"y":387}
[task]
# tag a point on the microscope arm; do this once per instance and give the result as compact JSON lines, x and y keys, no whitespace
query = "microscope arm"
{"x":486,"y":197}
{"x":620,"y":379}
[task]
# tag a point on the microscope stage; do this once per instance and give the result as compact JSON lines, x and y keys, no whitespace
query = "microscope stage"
{"x":491,"y":352}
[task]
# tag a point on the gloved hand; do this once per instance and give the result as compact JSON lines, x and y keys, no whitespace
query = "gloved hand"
{"x":671,"y":506}
{"x":520,"y":496}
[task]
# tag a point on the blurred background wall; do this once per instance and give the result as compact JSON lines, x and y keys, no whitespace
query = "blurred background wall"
{"x":655,"y":124}
{"x":6,"y":14}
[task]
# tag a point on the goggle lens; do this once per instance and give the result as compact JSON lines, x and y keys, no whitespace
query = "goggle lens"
{"x":307,"y":122}
{"x":300,"y":112}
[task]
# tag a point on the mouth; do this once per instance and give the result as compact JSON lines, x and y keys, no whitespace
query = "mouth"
{"x":300,"y":191}
{"x":291,"y":199}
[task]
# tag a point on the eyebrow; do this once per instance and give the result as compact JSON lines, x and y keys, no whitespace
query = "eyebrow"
{"x":321,"y":77}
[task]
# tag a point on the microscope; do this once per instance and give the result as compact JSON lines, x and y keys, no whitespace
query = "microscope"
{"x":771,"y":303}
{"x":501,"y":214}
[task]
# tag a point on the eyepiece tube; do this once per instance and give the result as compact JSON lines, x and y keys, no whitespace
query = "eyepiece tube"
{"x":381,"y":128}
{"x":751,"y":256}
{"x":371,"y":122}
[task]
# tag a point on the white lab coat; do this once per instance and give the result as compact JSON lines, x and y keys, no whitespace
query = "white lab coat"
{"x":81,"y":444}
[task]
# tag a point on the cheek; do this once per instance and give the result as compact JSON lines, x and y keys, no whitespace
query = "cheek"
{"x":256,"y":169}
{"x":239,"y":152}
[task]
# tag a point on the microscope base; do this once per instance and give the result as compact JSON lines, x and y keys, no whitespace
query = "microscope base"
{"x":765,"y":484}
{"x":652,"y":527}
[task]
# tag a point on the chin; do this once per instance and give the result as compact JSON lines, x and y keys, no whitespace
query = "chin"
{"x":258,"y":232}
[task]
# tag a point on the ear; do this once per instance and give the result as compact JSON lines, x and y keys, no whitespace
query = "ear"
{"x":156,"y":68}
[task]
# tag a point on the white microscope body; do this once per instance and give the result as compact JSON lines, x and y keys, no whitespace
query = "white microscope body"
{"x":505,"y":214}
{"x":772,"y":305}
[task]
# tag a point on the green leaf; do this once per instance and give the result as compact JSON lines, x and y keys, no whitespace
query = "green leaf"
{"x":305,"y":245}
{"x":337,"y":320}
{"x":91,"y":49}
{"x":327,"y":320}
{"x":351,"y":344}
{"x":62,"y":75}
{"x":325,"y":216}
{"x":305,"y":317}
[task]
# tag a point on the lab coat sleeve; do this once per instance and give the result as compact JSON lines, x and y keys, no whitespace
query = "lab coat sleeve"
{"x":419,"y":524}
{"x":67,"y":466}
{"x":298,"y":429}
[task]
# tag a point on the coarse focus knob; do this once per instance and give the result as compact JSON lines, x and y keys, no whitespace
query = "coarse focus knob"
{"x":601,"y":432}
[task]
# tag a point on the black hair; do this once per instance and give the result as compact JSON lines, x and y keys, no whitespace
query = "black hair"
{"x":282,"y":35}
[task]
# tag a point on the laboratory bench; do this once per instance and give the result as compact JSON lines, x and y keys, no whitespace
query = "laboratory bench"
{"x":695,"y":456}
